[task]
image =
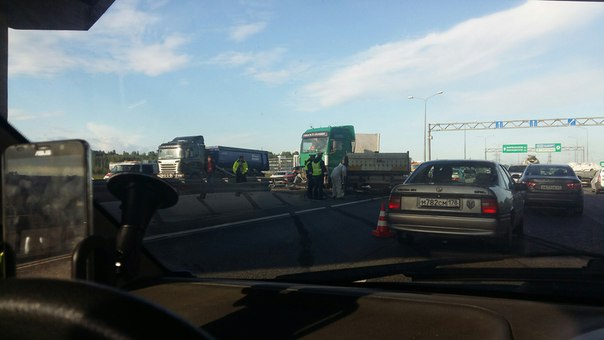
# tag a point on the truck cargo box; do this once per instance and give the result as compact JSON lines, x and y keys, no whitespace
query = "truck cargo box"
{"x":225,"y":156}
{"x":376,"y":162}
{"x":377,"y":170}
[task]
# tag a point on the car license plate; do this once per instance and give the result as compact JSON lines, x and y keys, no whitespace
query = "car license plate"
{"x":550,"y":187}
{"x":439,"y":202}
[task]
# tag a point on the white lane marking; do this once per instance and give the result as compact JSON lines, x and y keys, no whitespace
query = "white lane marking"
{"x":300,"y":212}
{"x":233,"y":224}
{"x":362,"y":201}
{"x":214,"y":227}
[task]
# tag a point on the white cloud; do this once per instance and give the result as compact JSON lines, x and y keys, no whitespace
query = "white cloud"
{"x":158,"y":58}
{"x":137,"y":104}
{"x":107,"y":137}
{"x":254,"y":59}
{"x":19,"y":115}
{"x":16,"y":114}
{"x":277,"y":76}
{"x":470,"y":48}
{"x":242,"y":32}
{"x":559,"y":94}
{"x":122,"y":41}
{"x":261,"y":65}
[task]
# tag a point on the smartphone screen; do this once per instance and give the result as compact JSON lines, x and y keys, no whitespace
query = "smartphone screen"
{"x":47,"y":210}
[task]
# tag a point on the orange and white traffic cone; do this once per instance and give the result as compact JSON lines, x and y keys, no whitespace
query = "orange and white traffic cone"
{"x":382,"y":229}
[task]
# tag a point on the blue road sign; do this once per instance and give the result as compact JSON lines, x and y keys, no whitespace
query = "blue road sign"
{"x":533,"y":123}
{"x":572,"y":121}
{"x":499,"y":125}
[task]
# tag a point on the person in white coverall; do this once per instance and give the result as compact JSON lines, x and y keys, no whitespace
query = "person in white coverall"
{"x":338,"y":178}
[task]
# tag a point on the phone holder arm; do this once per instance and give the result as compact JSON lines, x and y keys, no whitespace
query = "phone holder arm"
{"x":141,"y":195}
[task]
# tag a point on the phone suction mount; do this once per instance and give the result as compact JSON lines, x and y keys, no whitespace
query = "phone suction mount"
{"x":141,"y":195}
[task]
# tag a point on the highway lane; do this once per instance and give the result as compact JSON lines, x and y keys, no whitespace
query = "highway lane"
{"x":292,"y":234}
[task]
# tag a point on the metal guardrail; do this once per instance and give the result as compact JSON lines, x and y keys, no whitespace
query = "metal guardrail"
{"x":254,"y":184}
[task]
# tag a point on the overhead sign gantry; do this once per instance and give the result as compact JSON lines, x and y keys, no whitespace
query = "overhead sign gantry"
{"x":511,"y":124}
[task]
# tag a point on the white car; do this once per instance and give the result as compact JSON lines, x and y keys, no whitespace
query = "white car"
{"x":145,"y":168}
{"x":597,"y":182}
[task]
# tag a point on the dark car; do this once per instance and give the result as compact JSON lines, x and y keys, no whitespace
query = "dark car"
{"x":553,"y":186}
{"x":480,"y":200}
{"x":516,"y":171}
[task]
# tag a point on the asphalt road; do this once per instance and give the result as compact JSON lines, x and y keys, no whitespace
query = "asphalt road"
{"x":267,"y":234}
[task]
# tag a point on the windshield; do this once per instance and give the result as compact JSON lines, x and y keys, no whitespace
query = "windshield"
{"x":169,"y":153}
{"x":449,"y":97}
{"x":310,"y":145}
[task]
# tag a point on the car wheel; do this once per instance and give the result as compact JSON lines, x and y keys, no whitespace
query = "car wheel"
{"x":507,"y":239}
{"x":506,"y":242}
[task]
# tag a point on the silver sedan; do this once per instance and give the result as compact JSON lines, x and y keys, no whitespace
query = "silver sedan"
{"x":483,"y":202}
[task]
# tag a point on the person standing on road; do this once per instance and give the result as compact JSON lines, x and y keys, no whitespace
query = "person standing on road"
{"x":319,"y":170}
{"x":210,"y":169}
{"x":308,"y":170}
{"x":338,"y":178}
{"x":240,"y":170}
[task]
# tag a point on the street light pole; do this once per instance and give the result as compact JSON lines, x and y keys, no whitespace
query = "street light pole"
{"x":485,"y":144}
{"x":464,"y":144}
{"x":586,"y":157}
{"x":576,"y":147}
{"x":426,"y":118}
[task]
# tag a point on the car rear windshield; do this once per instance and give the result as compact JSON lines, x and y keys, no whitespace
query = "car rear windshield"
{"x":455,"y":173}
{"x":550,"y":171}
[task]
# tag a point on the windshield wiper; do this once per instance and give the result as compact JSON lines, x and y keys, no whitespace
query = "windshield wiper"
{"x":430,"y":270}
{"x":347,"y":275}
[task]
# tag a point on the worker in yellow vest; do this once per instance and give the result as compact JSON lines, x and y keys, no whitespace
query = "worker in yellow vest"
{"x":319,"y":171}
{"x":308,"y":173}
{"x":240,"y":170}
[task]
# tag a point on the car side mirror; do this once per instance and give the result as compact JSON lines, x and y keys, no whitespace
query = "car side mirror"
{"x":520,"y":187}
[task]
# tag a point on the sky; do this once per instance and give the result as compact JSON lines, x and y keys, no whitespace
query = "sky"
{"x":256,"y":74}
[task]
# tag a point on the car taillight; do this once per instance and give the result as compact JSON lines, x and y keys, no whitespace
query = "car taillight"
{"x":573,"y":186}
{"x":394,"y":203}
{"x":488,"y":205}
{"x":109,"y":174}
{"x":531,"y":184}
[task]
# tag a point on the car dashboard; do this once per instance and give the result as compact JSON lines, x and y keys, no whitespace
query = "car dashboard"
{"x":251,"y":309}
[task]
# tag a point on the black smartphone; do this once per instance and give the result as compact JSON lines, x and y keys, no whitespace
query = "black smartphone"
{"x":47,"y":209}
